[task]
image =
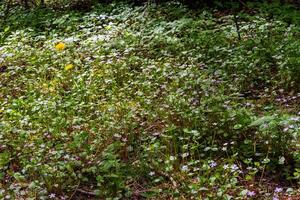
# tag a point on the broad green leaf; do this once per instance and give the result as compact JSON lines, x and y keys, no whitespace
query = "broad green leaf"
{"x":4,"y":158}
{"x":262,"y":120}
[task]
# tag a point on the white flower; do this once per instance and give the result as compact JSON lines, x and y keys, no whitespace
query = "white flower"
{"x":184,"y":155}
{"x":281,"y":160}
{"x":117,"y":135}
{"x":278,"y":190}
{"x":212,"y":164}
{"x":172,"y":158}
{"x":194,"y":192}
{"x":295,"y":118}
{"x":196,"y":169}
{"x":185,"y":168}
{"x":151,"y":173}
{"x":234,"y":167}
{"x":52,"y":196}
{"x":6,"y":55}
{"x":291,"y":126}
{"x":251,"y":193}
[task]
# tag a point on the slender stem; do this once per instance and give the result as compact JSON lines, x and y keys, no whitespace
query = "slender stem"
{"x":75,"y":190}
{"x":237,"y":26}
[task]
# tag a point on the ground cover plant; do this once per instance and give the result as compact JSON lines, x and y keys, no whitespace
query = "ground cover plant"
{"x":156,"y":102}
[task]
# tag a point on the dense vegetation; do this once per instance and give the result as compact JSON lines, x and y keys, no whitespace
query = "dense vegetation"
{"x":158,"y":102}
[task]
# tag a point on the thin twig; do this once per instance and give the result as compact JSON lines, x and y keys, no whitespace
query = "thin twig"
{"x":243,"y":3}
{"x":75,"y":191}
{"x":86,"y":192}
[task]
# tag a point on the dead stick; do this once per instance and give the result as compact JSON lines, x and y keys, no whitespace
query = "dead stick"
{"x":86,"y":192}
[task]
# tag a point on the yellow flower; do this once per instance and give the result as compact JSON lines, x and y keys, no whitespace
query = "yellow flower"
{"x":69,"y":67}
{"x":60,"y":46}
{"x":108,"y":27}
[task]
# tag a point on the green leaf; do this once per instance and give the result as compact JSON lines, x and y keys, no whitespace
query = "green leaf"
{"x":237,"y":126}
{"x":262,"y":120}
{"x":1,"y":176}
{"x":150,"y":194}
{"x":6,"y":29}
{"x":97,"y":192}
{"x":4,"y":158}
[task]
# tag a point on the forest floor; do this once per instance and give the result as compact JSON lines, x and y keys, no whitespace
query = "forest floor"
{"x":157,"y":102}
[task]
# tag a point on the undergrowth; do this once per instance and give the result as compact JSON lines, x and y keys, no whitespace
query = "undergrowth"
{"x":149,"y":102}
